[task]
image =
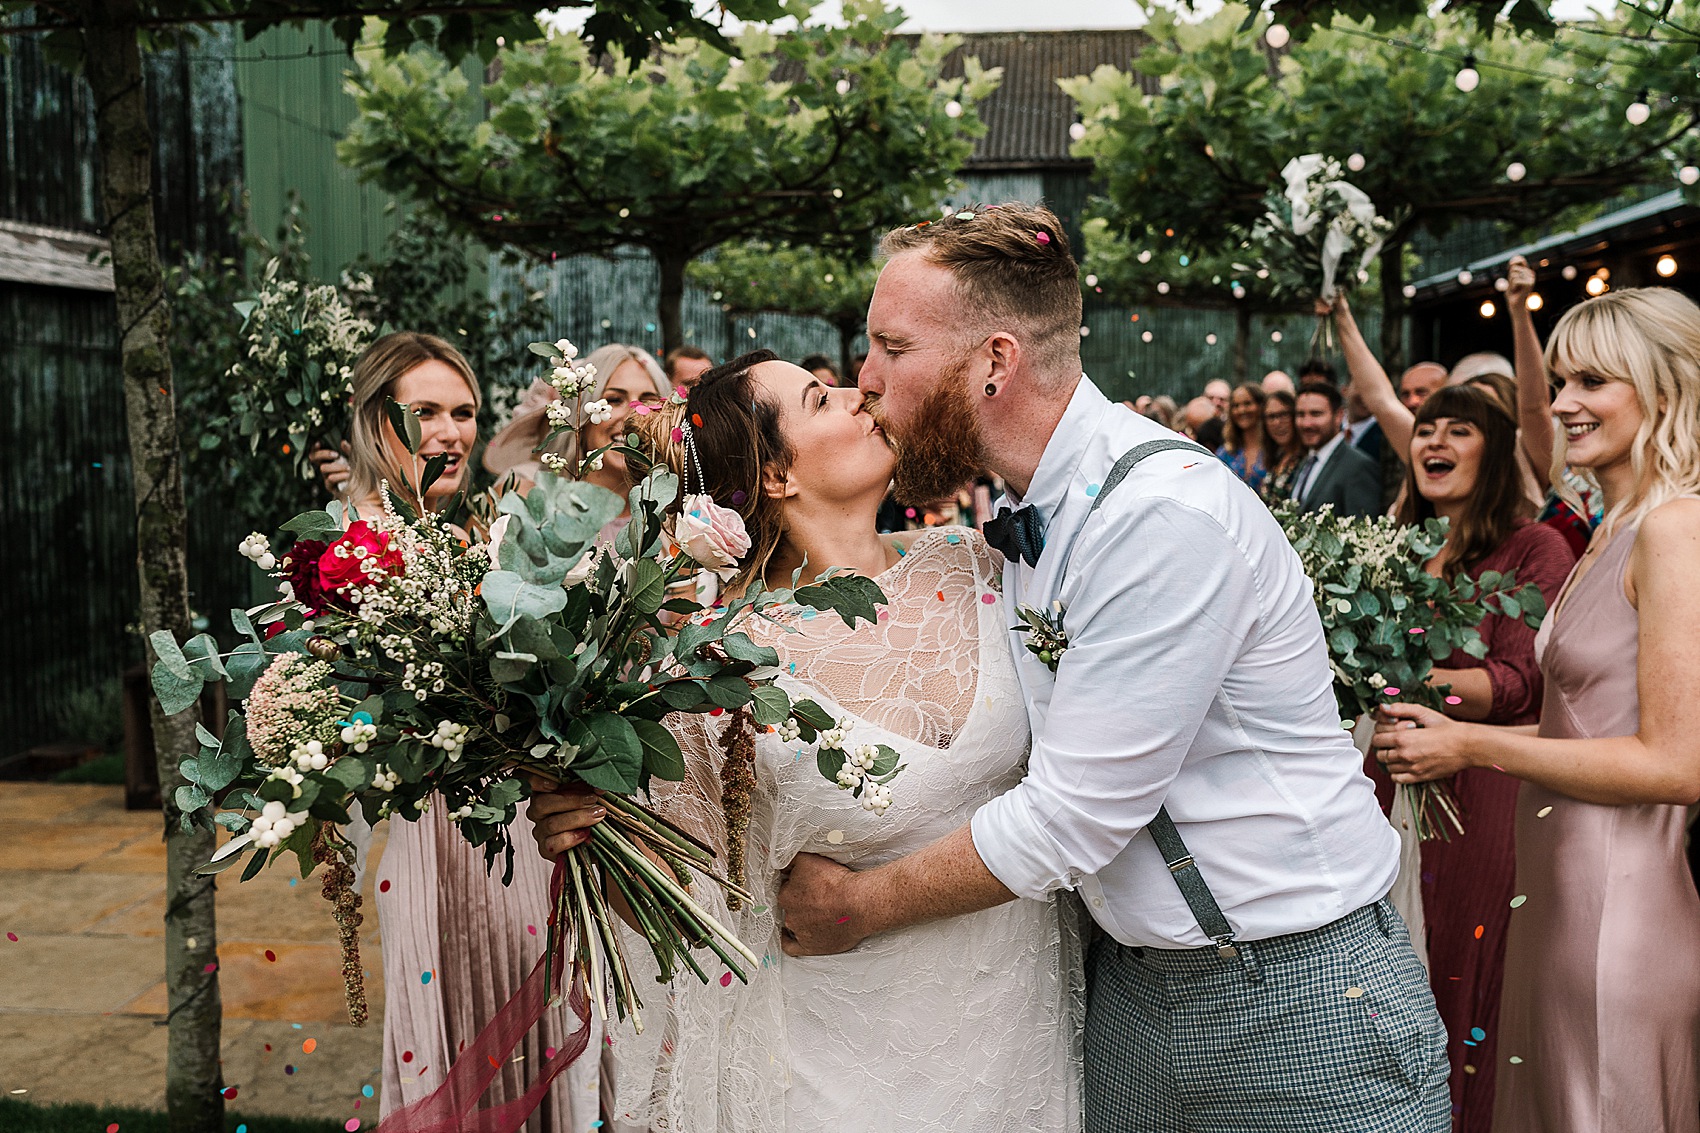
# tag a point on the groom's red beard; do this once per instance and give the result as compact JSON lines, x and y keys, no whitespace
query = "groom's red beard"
{"x":941,"y":448}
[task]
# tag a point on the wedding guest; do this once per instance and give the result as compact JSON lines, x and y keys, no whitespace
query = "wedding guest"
{"x":1601,"y":1007}
{"x":1277,"y":381}
{"x":1140,"y":404}
{"x":1472,"y":366}
{"x":1418,"y":381}
{"x":1211,"y":433}
{"x":685,"y":364}
{"x":1286,"y":451}
{"x":823,"y":368}
{"x":1197,"y":413}
{"x":1164,"y":411}
{"x":1318,"y":369}
{"x":628,"y":379}
{"x":1220,"y":393}
{"x":439,"y":910}
{"x":1462,"y":467}
{"x":1244,"y":448}
{"x":1333,"y":472}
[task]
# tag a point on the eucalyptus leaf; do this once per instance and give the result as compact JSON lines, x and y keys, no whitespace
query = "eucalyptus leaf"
{"x":405,"y":423}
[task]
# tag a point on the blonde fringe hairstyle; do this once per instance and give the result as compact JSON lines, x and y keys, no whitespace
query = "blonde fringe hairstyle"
{"x":376,"y":372}
{"x":737,"y":441}
{"x":605,"y":359}
{"x":1650,"y":338}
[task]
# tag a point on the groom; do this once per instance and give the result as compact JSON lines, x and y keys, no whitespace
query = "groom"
{"x":1189,"y":777}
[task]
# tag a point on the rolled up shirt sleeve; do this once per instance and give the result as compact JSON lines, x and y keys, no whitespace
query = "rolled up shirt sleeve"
{"x":1158,"y":601}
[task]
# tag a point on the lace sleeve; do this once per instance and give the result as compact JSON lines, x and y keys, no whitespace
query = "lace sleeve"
{"x":711,"y":1058}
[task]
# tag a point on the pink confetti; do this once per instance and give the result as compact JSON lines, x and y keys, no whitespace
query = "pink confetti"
{"x":532,"y":929}
{"x":352,"y":1124}
{"x":1043,"y":237}
{"x":1454,"y":700}
{"x":726,"y":980}
{"x":642,"y":410}
{"x":1417,"y":629}
{"x":1390,"y":691}
{"x":988,"y":599}
{"x":548,"y":1052}
{"x":12,"y":936}
{"x":842,"y":920}
{"x":209,"y":968}
{"x":678,"y":435}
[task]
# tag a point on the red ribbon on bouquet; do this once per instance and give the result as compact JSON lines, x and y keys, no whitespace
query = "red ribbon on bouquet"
{"x":453,"y":1106}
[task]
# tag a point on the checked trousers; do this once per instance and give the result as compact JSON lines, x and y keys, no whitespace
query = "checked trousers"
{"x":1328,"y":1031}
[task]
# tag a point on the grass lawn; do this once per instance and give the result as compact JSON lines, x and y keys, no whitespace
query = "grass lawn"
{"x":21,"y":1117}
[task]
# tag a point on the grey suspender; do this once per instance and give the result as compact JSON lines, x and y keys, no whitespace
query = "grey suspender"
{"x":1181,"y":865}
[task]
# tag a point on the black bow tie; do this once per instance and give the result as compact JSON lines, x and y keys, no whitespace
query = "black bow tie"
{"x":1019,"y":534}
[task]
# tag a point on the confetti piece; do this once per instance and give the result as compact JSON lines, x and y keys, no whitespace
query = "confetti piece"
{"x":953,"y":539}
{"x":835,"y":836}
{"x":289,"y":1069}
{"x":241,"y":1129}
{"x":988,"y":599}
{"x":1517,"y":901}
{"x":1092,"y":490}
{"x":696,"y":419}
{"x":1468,"y":1069}
{"x":532,"y":929}
{"x":271,"y":957}
{"x":366,"y":1091}
{"x":759,"y":909}
{"x":1454,"y":700}
{"x":1542,"y":813}
{"x":352,"y":1124}
{"x":1479,"y":930}
{"x":548,"y":1052}
{"x":1414,"y":630}
{"x":309,"y":1046}
{"x":113,"y":1128}
{"x":1354,"y":992}
{"x":941,"y":596}
{"x":491,"y":1059}
{"x":12,"y":936}
{"x":407,"y":1056}
{"x":726,"y":980}
{"x":384,"y":886}
{"x":1515,"y":1061}
{"x":1390,"y":691}
{"x":293,"y":881}
{"x":229,"y":1093}
{"x":424,"y":977}
{"x":738,"y":498}
{"x":1042,"y":236}
{"x":1478,"y":1034}
{"x":209,"y":968}
{"x":843,"y":919}
{"x":268,"y":1048}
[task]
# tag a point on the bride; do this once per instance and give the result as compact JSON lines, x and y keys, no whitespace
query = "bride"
{"x":967,"y":1024}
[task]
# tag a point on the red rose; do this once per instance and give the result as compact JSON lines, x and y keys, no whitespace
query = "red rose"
{"x":352,"y":560}
{"x":274,"y":629}
{"x":301,"y":568}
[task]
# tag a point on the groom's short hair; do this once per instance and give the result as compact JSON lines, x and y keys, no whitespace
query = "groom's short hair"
{"x":1012,"y":266}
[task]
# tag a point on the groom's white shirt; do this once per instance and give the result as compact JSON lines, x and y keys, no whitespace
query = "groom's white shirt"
{"x":1197,"y":677}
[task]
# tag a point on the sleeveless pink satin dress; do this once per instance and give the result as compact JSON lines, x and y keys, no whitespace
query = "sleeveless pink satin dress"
{"x":1600,"y":1020}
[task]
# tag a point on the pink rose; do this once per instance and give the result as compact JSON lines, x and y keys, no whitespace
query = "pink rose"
{"x":353,"y":560}
{"x":712,"y":535}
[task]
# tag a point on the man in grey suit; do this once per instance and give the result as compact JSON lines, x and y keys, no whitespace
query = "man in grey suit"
{"x":1336,"y":472}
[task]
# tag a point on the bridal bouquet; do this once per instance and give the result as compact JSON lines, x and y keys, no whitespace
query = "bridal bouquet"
{"x":406,"y":668}
{"x":1318,"y":226}
{"x":302,"y":340}
{"x":1387,"y":621}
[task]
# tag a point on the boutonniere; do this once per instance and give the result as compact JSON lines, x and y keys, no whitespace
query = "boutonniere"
{"x":1046,"y":638}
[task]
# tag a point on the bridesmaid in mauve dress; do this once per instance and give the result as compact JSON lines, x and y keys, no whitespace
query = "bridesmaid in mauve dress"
{"x":1600,"y":1017}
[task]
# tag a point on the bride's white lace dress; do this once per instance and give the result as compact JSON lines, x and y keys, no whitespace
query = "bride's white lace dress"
{"x":967,"y":1024}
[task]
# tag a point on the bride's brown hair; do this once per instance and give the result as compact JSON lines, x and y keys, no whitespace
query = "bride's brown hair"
{"x":723,"y":442}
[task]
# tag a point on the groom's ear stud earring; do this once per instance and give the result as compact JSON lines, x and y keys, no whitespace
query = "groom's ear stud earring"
{"x":991,"y":389}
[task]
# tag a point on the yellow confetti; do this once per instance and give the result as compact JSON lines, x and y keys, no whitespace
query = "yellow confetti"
{"x":1354,"y":992}
{"x":1468,"y":1069}
{"x":1543,"y":812}
{"x":835,"y":836}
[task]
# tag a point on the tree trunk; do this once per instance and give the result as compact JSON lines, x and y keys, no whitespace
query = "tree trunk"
{"x":1242,"y":344}
{"x":672,"y":264}
{"x":848,"y":329}
{"x":113,"y":63}
{"x":1393,"y":308}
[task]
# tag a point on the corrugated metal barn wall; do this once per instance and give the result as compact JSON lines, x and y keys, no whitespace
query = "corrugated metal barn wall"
{"x":67,"y":557}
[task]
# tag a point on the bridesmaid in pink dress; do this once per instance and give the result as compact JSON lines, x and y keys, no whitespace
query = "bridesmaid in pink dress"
{"x":1600,"y":1019}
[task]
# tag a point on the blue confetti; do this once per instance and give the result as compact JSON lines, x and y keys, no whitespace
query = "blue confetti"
{"x":241,"y":1129}
{"x":1092,"y":490}
{"x":365,"y":1091}
{"x":793,"y":668}
{"x":424,"y":977}
{"x":809,"y":613}
{"x":953,"y":538}
{"x":297,"y":1026}
{"x":1478,"y":1034}
{"x":293,"y":881}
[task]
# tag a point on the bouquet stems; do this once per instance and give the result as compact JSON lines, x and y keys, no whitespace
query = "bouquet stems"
{"x":1434,"y":808}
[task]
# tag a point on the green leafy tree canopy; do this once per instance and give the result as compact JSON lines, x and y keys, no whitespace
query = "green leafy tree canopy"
{"x":758,"y":276}
{"x":816,"y":138}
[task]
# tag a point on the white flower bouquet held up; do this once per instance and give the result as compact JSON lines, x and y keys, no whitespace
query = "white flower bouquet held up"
{"x":1319,"y":235}
{"x":405,"y":667}
{"x":1387,"y":621}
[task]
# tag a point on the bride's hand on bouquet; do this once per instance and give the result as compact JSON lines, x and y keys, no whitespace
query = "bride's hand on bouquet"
{"x":1418,"y":744}
{"x":561,"y":817}
{"x":817,"y":908}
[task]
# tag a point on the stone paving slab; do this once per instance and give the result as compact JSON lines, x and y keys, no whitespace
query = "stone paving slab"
{"x":82,"y":993}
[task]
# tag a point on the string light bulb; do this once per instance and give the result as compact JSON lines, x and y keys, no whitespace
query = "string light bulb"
{"x":1688,"y":174}
{"x":1666,"y":266}
{"x":1355,"y":163}
{"x":1534,"y":302}
{"x":1277,"y":36}
{"x":1146,"y":337}
{"x":1488,"y":309}
{"x":1274,"y":336}
{"x":1638,"y":111}
{"x":1516,"y":171}
{"x":1464,"y":277}
{"x":1210,"y":340}
{"x":1568,"y":272}
{"x":1077,"y":130}
{"x":1469,"y":78}
{"x":1595,"y":286}
{"x":1409,"y":291}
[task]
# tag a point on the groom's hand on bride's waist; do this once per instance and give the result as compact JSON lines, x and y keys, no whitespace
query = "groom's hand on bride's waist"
{"x":819,"y":909}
